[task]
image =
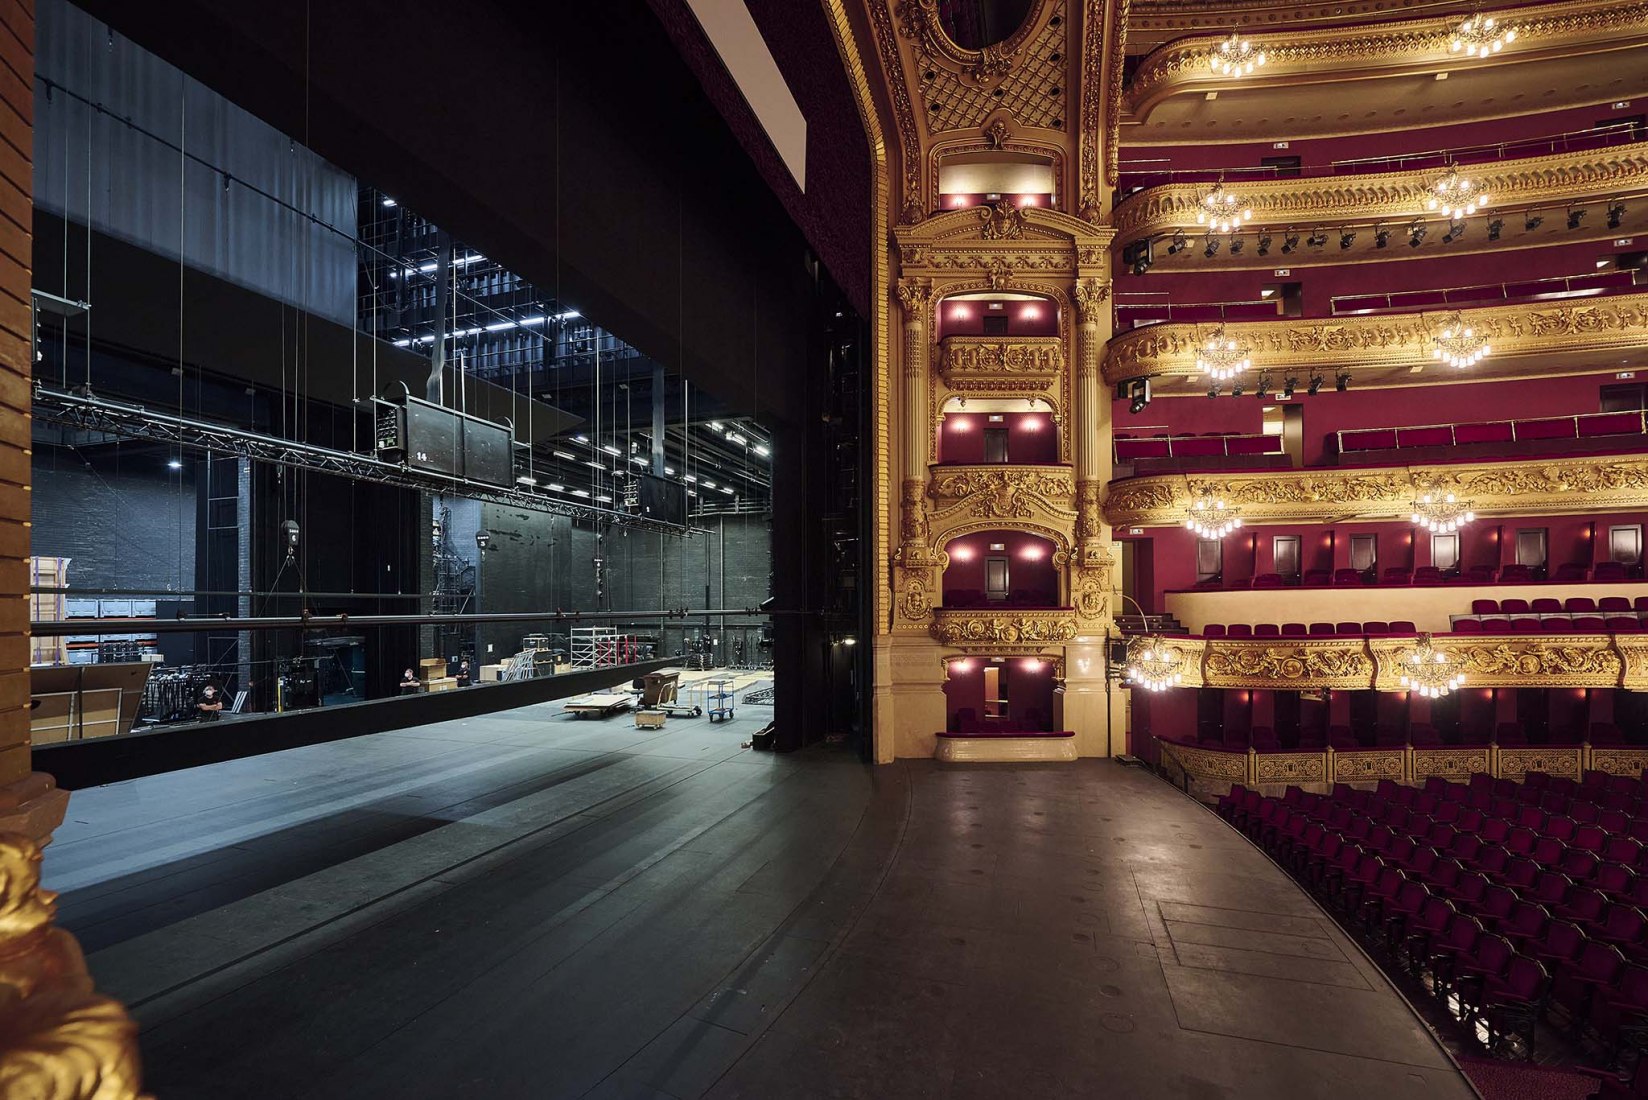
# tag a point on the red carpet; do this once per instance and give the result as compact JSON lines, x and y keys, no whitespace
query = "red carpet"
{"x":1513,"y":1081}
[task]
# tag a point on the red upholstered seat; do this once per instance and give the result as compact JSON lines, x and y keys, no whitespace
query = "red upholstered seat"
{"x":1240,"y":630}
{"x":1467,"y":626}
{"x":1578,"y":604}
{"x":1525,"y":625}
{"x":1376,"y":626}
{"x":1620,"y":423}
{"x":1268,"y":580}
{"x":1492,"y":432}
{"x":1266,"y":630}
{"x":1347,"y":576}
{"x":1556,"y":624}
{"x":1608,"y":571}
{"x":1321,"y":628}
{"x":1424,"y":437}
{"x":1401,"y":626}
{"x":1571,"y":572}
{"x":1356,"y":628}
{"x":1372,"y":439}
{"x":1496,"y":625}
{"x":1585,"y":623}
{"x":1484,"y":607}
{"x":1294,"y":630}
{"x":1622,"y":624}
{"x":1514,"y":606}
{"x":1396,"y":575}
{"x":1546,"y":605}
{"x":1316,"y":577}
{"x":1213,"y":630}
{"x":1515,"y":574}
{"x":1613,"y":603}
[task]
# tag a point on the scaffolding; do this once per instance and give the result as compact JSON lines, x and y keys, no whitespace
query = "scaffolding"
{"x":601,"y":647}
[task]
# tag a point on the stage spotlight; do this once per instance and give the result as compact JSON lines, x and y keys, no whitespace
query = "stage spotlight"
{"x":1381,"y":236}
{"x":1456,"y":230}
{"x":1178,"y":242}
{"x":1138,"y":256}
{"x":1139,"y":390}
{"x":1576,"y":214}
{"x":1317,"y":239}
{"x":1137,"y":406}
{"x":1315,"y":387}
{"x":1261,"y":388}
{"x":1235,"y":245}
{"x":1212,"y":392}
{"x":1290,"y":241}
{"x":1264,"y":243}
{"x":1341,"y":381}
{"x":1531,"y":222}
{"x":1616,"y":214}
{"x":1235,"y":389}
{"x":1212,"y":248}
{"x":1495,"y":228}
{"x":1346,"y":239}
{"x":1289,"y":384}
{"x":1416,"y":234}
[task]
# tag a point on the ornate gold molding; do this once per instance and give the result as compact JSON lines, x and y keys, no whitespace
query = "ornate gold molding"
{"x":1324,"y":53}
{"x":1555,"y":760}
{"x":984,"y":363}
{"x":1287,"y":664}
{"x":1559,"y":660}
{"x":1002,"y":492}
{"x":1385,"y":341}
{"x":1398,"y":197}
{"x":1526,"y":487}
{"x":58,"y":1039}
{"x":1003,"y":631}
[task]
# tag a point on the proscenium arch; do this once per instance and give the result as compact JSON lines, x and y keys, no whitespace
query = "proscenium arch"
{"x":1060,"y":541}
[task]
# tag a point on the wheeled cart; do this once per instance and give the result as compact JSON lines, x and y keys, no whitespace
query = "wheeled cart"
{"x":661,"y":690}
{"x":720,"y":699}
{"x":597,"y":705}
{"x":650,"y":719}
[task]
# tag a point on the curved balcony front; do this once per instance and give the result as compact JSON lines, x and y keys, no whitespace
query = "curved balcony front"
{"x":1559,"y":46}
{"x":1395,"y":199}
{"x":965,"y":497}
{"x":1529,"y":340}
{"x":1004,"y":630}
{"x":1001,"y":364}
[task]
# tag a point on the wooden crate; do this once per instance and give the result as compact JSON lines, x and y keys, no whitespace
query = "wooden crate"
{"x":431,"y":668}
{"x":442,"y":683}
{"x":47,"y":606}
{"x":53,"y":719}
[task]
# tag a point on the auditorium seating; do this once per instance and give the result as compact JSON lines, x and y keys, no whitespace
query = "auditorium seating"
{"x":1568,"y":573}
{"x":1510,"y":902}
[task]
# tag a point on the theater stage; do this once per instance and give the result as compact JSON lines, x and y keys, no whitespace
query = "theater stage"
{"x":528,"y":905}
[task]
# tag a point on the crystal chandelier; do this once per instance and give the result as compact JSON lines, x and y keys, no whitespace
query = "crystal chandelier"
{"x":1222,"y":211}
{"x":1481,"y":36}
{"x":1236,"y":56}
{"x":1426,"y":670}
{"x":1455,"y":196}
{"x":1442,"y":513}
{"x":1210,"y":519}
{"x":1223,"y":356}
{"x":1459,"y":345}
{"x":1153,"y":666}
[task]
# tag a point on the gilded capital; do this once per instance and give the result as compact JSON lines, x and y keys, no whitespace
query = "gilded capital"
{"x":914,"y":295}
{"x":1090,"y":295}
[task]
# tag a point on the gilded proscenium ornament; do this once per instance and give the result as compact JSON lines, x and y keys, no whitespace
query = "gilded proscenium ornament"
{"x":59,"y":1040}
{"x":957,"y":88}
{"x":1528,"y":487}
{"x":1396,"y":197}
{"x":1271,"y":664}
{"x":1385,"y":341}
{"x":1394,"y":47}
{"x":990,"y":362}
{"x":1002,"y":492}
{"x":1005,"y":627}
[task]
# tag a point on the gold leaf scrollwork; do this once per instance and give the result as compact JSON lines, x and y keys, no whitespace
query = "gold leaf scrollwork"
{"x":957,"y":628}
{"x":1001,"y":221}
{"x":1259,"y":665}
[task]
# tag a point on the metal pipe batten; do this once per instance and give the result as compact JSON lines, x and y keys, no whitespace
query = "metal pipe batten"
{"x":63,"y":627}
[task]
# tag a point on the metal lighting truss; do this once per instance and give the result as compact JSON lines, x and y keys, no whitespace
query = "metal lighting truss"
{"x":85,"y":412}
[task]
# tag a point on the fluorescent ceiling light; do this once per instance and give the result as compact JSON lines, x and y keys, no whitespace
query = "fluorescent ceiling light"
{"x":568,"y":315}
{"x":580,"y":438}
{"x":692,"y":479}
{"x":500,"y":326}
{"x":563,"y":454}
{"x":557,"y":486}
{"x":610,"y":449}
{"x":727,"y":490}
{"x":580,"y":492}
{"x":761,"y":450}
{"x":604,"y":499}
{"x":592,"y":462}
{"x":526,"y":321}
{"x":670,"y":470}
{"x":708,"y":484}
{"x":524,"y":480}
{"x":715,"y":425}
{"x":388,"y":201}
{"x":403,"y":343}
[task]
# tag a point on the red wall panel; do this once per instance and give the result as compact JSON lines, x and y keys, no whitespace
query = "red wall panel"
{"x":1032,"y":438}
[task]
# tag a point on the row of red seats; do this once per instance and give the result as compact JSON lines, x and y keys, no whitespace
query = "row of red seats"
{"x":1300,"y":630}
{"x":1389,"y":736}
{"x":1550,"y":605}
{"x":1603,"y":572}
{"x":1495,"y":895}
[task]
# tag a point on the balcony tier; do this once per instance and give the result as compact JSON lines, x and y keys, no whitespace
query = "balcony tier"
{"x":1017,"y":364}
{"x":1004,"y":630}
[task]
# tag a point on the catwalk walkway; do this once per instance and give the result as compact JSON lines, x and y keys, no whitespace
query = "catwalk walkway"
{"x":527,"y":906}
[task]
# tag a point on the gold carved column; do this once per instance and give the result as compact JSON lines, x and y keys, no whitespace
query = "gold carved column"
{"x":915,"y":581}
{"x":1091,"y":568}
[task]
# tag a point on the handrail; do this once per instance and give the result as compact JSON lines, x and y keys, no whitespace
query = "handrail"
{"x":1453,"y":433}
{"x":1567,"y":141}
{"x":1566,"y":282}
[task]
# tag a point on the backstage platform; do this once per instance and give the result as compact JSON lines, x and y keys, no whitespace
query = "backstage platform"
{"x":528,"y":905}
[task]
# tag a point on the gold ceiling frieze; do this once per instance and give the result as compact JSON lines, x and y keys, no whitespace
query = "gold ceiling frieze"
{"x":1396,"y":197}
{"x":1385,"y":340}
{"x":1542,"y":486}
{"x":1326,"y":53}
